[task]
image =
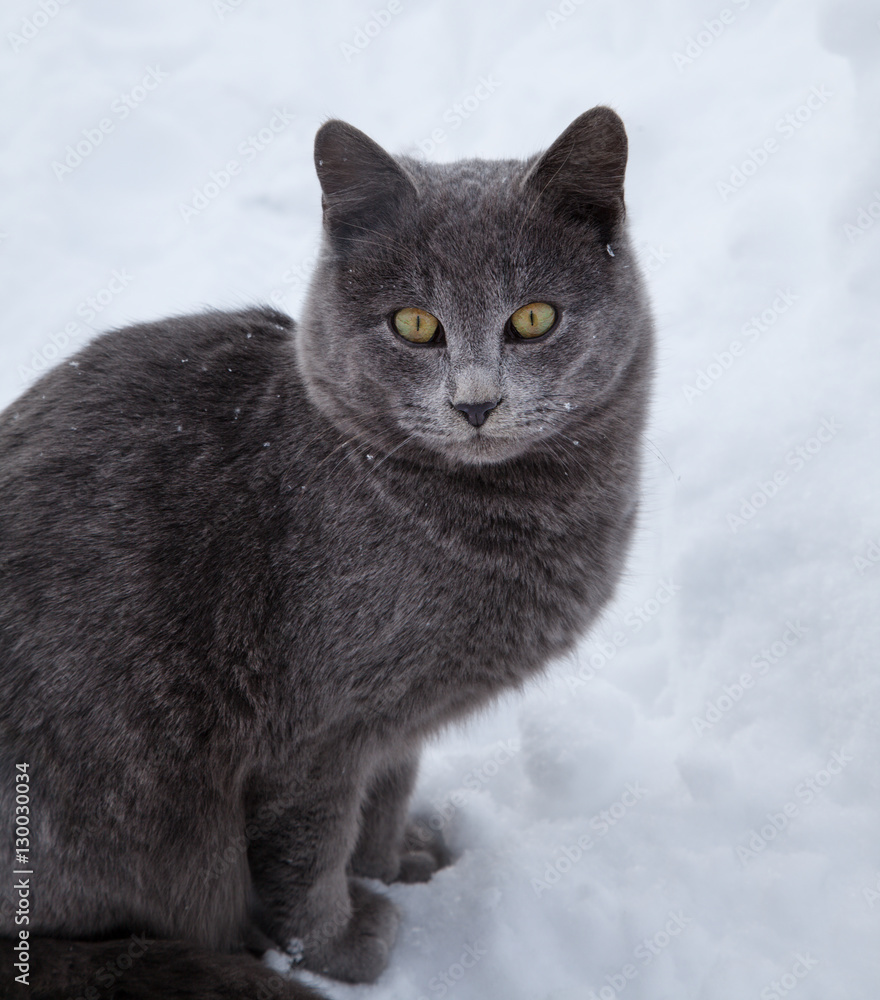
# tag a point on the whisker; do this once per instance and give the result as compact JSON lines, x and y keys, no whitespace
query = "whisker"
{"x":388,"y":455}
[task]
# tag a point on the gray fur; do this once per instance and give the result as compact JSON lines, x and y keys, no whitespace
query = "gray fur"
{"x":246,"y":568}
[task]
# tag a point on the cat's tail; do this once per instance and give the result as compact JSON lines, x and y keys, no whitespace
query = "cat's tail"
{"x":138,"y":969}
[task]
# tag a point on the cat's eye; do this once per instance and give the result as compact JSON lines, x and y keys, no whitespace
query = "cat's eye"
{"x":533,"y":320}
{"x":416,"y":325}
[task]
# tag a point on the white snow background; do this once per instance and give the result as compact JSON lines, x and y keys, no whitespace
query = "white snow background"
{"x":689,"y":807}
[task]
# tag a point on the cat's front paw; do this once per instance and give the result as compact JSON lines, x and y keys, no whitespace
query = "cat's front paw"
{"x":360,"y":952}
{"x":421,"y":852}
{"x":424,"y":852}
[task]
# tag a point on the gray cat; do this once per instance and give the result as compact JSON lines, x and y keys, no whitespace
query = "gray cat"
{"x":247,"y":567}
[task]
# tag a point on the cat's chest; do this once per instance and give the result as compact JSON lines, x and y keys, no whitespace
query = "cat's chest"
{"x":401,"y":600}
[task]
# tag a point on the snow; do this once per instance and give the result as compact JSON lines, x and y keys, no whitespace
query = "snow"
{"x":714,"y":743}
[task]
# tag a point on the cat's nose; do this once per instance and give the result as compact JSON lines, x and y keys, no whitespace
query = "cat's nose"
{"x":476,"y":412}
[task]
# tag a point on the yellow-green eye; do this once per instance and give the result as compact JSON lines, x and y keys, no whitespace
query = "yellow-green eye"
{"x":533,"y":320}
{"x":416,"y":324}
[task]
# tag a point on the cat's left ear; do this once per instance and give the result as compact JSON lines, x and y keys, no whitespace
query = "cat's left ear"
{"x":362,"y":185}
{"x":581,"y":174}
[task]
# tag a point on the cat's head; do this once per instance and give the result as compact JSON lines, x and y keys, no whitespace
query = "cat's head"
{"x":478,"y":309}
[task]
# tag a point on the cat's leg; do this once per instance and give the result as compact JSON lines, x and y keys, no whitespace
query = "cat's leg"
{"x":305,"y":899}
{"x":389,"y":847}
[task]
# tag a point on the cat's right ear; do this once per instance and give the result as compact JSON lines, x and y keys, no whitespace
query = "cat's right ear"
{"x":581,"y":174}
{"x":363,"y":186}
